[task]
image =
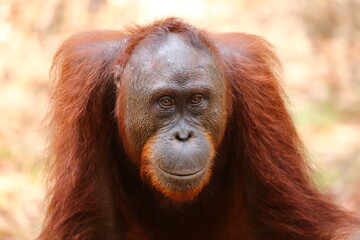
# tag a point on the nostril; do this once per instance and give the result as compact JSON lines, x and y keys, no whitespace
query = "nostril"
{"x":190,"y":134}
{"x":183,"y":136}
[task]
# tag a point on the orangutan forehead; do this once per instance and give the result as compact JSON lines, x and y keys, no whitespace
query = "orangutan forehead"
{"x":171,"y":52}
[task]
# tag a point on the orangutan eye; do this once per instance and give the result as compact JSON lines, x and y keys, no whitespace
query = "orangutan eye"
{"x":167,"y":102}
{"x":196,"y":99}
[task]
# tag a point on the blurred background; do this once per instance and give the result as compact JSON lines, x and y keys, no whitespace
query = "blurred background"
{"x":318,"y":42}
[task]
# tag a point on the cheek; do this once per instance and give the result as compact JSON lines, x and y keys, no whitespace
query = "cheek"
{"x":215,"y":122}
{"x":135,"y":124}
{"x":139,"y":128}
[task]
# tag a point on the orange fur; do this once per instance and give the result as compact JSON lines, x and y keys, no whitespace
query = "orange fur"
{"x":260,"y":188}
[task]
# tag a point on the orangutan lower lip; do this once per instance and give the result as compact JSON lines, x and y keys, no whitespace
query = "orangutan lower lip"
{"x":193,"y":174}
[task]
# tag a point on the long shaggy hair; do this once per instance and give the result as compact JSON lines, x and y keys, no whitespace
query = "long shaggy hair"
{"x":264,"y":191}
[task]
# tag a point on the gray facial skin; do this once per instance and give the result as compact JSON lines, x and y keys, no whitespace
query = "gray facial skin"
{"x":175,"y":96}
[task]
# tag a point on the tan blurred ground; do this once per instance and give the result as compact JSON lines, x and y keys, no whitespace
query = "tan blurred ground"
{"x":318,"y":42}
